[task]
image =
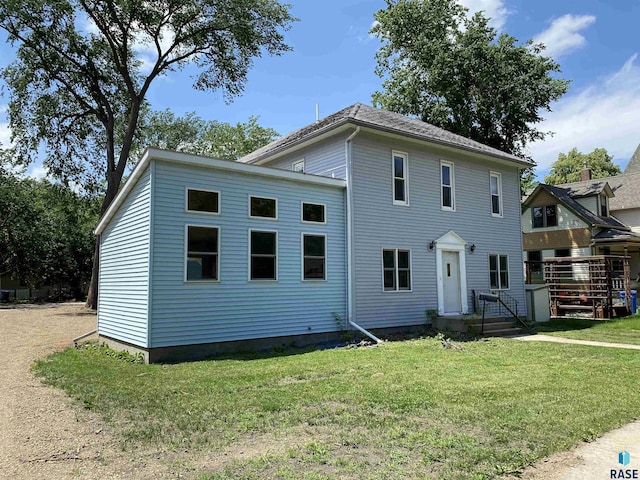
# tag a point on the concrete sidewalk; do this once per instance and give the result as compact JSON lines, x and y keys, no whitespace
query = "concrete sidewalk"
{"x":549,"y":338}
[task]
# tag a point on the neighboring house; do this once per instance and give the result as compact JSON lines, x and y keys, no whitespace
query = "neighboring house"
{"x":590,"y":217}
{"x":365,"y":215}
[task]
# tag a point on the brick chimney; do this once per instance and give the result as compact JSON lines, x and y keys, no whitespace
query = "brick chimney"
{"x":585,"y":175}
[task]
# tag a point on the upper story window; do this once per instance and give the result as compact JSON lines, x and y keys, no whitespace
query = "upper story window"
{"x":203,"y":245}
{"x":400,"y":178}
{"x":604,"y":205}
{"x":447,"y":186}
{"x":544,"y":216}
{"x":263,"y":207}
{"x":499,"y":272}
{"x":396,"y":267}
{"x":203,"y":201}
{"x":298,"y":166}
{"x":495,"y":185}
{"x":313,"y":213}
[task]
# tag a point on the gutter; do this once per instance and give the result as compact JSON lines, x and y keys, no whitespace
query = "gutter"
{"x":349,"y":226}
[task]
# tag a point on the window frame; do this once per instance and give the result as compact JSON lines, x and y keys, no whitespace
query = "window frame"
{"x":498,"y":255}
{"x":249,"y":243}
{"x":498,"y":177}
{"x":186,"y":253}
{"x":405,"y":168}
{"x":275,"y":199}
{"x":544,"y":215}
{"x":324,"y":206}
{"x":452,"y":186}
{"x":302,"y":257}
{"x":200,"y":212}
{"x":396,"y":270}
{"x":295,"y":164}
{"x":606,"y":205}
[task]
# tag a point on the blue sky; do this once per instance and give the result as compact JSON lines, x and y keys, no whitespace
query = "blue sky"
{"x":332,"y":64}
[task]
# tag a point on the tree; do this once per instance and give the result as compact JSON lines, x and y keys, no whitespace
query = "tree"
{"x":452,"y":71}
{"x":192,"y":134}
{"x":569,"y":166}
{"x":84,"y":68}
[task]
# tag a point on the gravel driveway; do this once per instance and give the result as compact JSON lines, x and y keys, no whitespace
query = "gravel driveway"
{"x":43,"y":434}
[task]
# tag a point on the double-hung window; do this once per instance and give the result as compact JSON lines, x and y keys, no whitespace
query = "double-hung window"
{"x":314,"y":257}
{"x":447,"y":186}
{"x":203,"y":246}
{"x":499,"y":271}
{"x":396,"y":267}
{"x":400,"y":178}
{"x":263,"y":246}
{"x":495,"y":186}
{"x":604,"y":206}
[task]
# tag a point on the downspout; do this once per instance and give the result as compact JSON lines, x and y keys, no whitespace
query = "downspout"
{"x":350,"y":271}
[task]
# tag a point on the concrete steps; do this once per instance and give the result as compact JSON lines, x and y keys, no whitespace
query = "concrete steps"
{"x":493,"y":327}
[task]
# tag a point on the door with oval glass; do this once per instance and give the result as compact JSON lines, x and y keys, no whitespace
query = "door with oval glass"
{"x":451,"y":282}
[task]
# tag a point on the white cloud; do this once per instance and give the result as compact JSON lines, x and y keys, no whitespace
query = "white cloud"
{"x":37,"y":172}
{"x":495,"y":10}
{"x":563,"y":36}
{"x":606,"y":114}
{"x":5,"y":131}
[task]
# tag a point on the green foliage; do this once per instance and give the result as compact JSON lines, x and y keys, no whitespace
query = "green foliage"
{"x":46,"y":235}
{"x":528,"y":181}
{"x":625,"y":330}
{"x":116,"y":354}
{"x":411,"y":410}
{"x":569,"y":165}
{"x":456,"y":73}
{"x":192,"y":134}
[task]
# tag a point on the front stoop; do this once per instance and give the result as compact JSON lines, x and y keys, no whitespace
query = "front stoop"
{"x":493,"y":327}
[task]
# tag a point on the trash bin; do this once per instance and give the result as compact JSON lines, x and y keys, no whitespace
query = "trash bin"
{"x":5,"y":296}
{"x":633,"y":299}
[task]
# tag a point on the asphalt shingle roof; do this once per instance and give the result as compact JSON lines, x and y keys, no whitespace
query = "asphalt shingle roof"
{"x":634,"y":164}
{"x":366,"y":116}
{"x":586,"y":188}
{"x":626,"y":188}
{"x":615,"y":234}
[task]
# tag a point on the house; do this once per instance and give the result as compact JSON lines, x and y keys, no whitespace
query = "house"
{"x":364,"y":216}
{"x":590,"y":217}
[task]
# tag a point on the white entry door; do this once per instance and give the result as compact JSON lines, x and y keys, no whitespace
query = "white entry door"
{"x":451,"y":282}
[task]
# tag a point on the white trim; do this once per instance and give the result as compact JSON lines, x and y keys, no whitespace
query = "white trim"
{"x":405,"y":178}
{"x":261,"y":280}
{"x":324,"y":206}
{"x":186,"y":253}
{"x":206,"y":162}
{"x":186,"y":201}
{"x":452,"y":242}
{"x":508,"y":270}
{"x":452,"y":179}
{"x":250,"y":196}
{"x":498,"y":176}
{"x":295,"y":164}
{"x":326,"y":257}
{"x":396,"y":270}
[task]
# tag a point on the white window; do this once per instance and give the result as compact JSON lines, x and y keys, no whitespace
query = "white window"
{"x":314,"y":257}
{"x":263,"y":207}
{"x":202,"y":201}
{"x":263,"y":261}
{"x":202,"y":247}
{"x":298,"y":166}
{"x":396,"y":270}
{"x":400,"y":178}
{"x":313,"y":213}
{"x":604,"y":206}
{"x":495,"y":182}
{"x":447,"y":181}
{"x":499,"y":272}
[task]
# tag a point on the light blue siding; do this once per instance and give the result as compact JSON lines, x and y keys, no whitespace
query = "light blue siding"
{"x":379,"y":224}
{"x":235,"y":308}
{"x":124,"y":268}
{"x":327,"y":158}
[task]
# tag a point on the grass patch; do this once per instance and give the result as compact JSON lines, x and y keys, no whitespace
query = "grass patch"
{"x":625,"y":330}
{"x":409,"y":409}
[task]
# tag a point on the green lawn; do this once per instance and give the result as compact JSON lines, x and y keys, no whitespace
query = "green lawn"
{"x":626,"y":330}
{"x":408,"y":409}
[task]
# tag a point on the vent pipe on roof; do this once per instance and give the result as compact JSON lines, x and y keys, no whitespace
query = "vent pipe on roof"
{"x":317,"y":112}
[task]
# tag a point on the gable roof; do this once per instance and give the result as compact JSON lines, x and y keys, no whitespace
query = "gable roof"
{"x":382,"y":120}
{"x":588,"y":188}
{"x":634,"y":164}
{"x":564,"y":195}
{"x":616,"y":234}
{"x":626,"y":188}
